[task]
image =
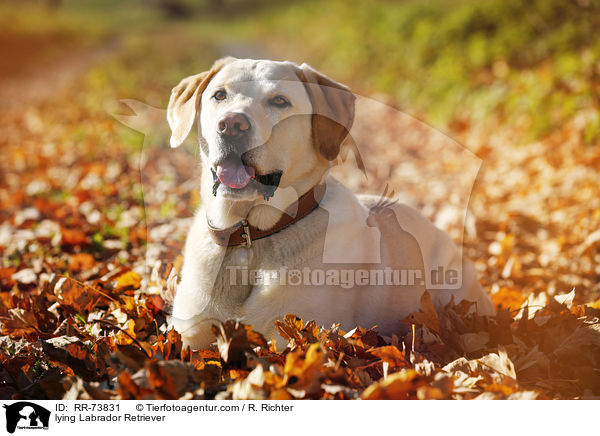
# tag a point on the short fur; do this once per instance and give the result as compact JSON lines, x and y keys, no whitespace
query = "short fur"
{"x":345,"y":233}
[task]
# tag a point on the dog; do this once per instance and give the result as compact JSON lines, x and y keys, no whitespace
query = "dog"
{"x":275,"y":233}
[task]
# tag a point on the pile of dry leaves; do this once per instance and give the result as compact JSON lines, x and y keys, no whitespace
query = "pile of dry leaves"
{"x":105,"y":341}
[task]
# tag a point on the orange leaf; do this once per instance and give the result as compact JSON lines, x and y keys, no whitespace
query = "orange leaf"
{"x":397,"y":386}
{"x":508,"y":298}
{"x":6,"y":279}
{"x":81,"y":262}
{"x":73,"y":237}
{"x":129,"y":280}
{"x":391,"y":355}
{"x":303,"y":370}
{"x":127,"y":338}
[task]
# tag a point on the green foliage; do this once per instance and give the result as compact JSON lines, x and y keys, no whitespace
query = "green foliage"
{"x":528,"y":63}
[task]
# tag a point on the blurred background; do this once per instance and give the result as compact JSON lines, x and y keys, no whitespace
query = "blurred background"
{"x":515,"y":82}
{"x":533,"y":65}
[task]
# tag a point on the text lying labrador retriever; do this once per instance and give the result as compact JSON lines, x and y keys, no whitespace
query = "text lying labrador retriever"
{"x":276,"y":234}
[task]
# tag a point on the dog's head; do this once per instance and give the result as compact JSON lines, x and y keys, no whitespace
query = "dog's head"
{"x":262,"y":124}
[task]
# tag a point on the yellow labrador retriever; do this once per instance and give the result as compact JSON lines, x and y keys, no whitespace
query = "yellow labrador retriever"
{"x":276,"y":234}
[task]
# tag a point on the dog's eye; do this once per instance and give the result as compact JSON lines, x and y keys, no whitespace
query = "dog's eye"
{"x":280,"y":101}
{"x":220,"y":95}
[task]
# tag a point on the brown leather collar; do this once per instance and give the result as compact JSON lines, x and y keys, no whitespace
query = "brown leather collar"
{"x":243,"y":233}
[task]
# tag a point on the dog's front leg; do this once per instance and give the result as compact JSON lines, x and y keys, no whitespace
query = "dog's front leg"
{"x":194,"y":309}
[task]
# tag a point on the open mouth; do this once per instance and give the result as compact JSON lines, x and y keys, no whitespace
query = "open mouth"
{"x":237,"y":176}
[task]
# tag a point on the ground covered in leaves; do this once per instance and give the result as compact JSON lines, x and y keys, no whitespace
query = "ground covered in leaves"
{"x":93,"y":225}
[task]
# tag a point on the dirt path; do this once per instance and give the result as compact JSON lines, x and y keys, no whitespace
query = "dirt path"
{"x":36,"y":70}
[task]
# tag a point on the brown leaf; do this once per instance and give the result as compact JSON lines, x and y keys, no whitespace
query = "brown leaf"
{"x":81,"y":262}
{"x":232,"y":341}
{"x":21,"y":323}
{"x":255,"y":339}
{"x":80,"y":297}
{"x":161,"y":381}
{"x":474,"y":341}
{"x":428,"y":317}
{"x":173,"y":345}
{"x":290,"y":328}
{"x":155,"y":303}
{"x":391,"y":355}
{"x":128,"y":390}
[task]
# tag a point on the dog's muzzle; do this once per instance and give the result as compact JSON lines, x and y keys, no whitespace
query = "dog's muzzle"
{"x":265,"y":184}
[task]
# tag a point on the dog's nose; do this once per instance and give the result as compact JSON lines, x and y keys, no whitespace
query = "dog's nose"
{"x":233,"y":124}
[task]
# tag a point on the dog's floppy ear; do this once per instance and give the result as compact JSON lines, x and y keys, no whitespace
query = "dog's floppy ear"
{"x":333,"y":110}
{"x":185,"y":100}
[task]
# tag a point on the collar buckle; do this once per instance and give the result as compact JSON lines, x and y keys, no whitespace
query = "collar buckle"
{"x":243,"y":234}
{"x":246,"y":235}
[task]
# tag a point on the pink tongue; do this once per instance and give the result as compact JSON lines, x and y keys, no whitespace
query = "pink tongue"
{"x":234,"y":174}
